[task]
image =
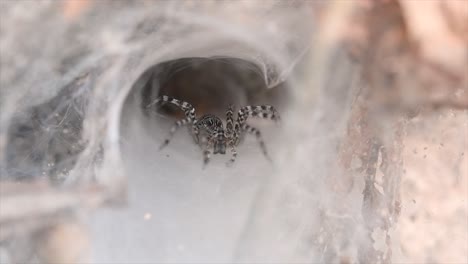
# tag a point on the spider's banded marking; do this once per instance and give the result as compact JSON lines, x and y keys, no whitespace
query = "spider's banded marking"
{"x":264,"y":111}
{"x":271,"y":116}
{"x":230,"y":120}
{"x":206,"y":157}
{"x":215,"y":136}
{"x":258,"y":135}
{"x":233,"y":156}
{"x":189,"y":112}
{"x":188,"y":109}
{"x":174,"y":128}
{"x":181,"y":104}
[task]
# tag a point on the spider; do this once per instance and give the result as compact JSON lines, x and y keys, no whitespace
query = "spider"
{"x":209,"y":132}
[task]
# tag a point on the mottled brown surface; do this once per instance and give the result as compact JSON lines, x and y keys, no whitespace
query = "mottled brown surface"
{"x":433,"y":226}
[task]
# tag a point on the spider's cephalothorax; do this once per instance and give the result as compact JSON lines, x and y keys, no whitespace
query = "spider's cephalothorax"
{"x":209,"y":132}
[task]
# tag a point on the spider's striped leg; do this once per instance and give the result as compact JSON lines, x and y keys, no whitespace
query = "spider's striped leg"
{"x":231,"y":134}
{"x":195,"y":132}
{"x":233,"y":156}
{"x":206,"y":157}
{"x":188,"y":109}
{"x":230,"y":121}
{"x":236,"y":133}
{"x":174,"y":128}
{"x":263,"y":111}
{"x":205,"y":144}
{"x":258,"y":135}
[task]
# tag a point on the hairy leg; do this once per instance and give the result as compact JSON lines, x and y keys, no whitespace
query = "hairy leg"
{"x":188,"y":109}
{"x":205,"y":144}
{"x":230,"y":121}
{"x":258,"y":135}
{"x":195,"y":132}
{"x":206,"y":157}
{"x":174,"y":128}
{"x":233,"y":156}
{"x":262,"y":111}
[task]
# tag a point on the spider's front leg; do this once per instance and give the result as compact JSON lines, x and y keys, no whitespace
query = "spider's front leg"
{"x":230,"y":121}
{"x":233,"y":155}
{"x":174,"y":128}
{"x":263,"y":111}
{"x":206,"y":157}
{"x":195,"y":133}
{"x":189,"y":111}
{"x":231,"y":134}
{"x":206,"y":144}
{"x":258,"y":135}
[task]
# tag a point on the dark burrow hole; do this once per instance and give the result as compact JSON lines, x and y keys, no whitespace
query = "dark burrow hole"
{"x":209,"y":84}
